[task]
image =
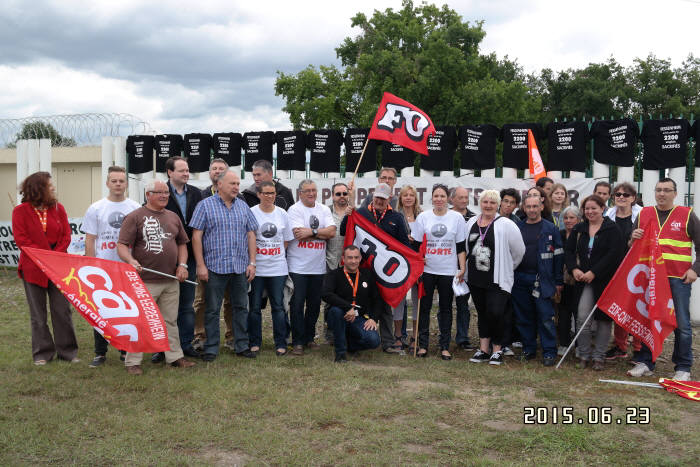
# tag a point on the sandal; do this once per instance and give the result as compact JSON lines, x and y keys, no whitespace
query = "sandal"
{"x":422,"y":353}
{"x":281,"y":352}
{"x":40,"y":362}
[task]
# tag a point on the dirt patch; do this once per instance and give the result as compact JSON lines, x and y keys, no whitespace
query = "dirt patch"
{"x":220,"y":457}
{"x":420,"y":385}
{"x":419,"y":449}
{"x":443,"y":426}
{"x":499,"y":425}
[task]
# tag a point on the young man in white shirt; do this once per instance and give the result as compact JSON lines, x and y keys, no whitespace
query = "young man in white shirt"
{"x":101,"y":224}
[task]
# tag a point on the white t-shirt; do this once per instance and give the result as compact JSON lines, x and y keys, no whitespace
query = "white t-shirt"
{"x":308,"y":256}
{"x":104,"y":219}
{"x":274,"y":230}
{"x":442,"y":235}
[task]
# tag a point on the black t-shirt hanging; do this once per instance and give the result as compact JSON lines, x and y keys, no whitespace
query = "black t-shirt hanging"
{"x":167,"y":146}
{"x":567,"y":146}
{"x":198,"y":151}
{"x":325,"y":150}
{"x":478,"y":146}
{"x":354,"y":142}
{"x":291,"y":150}
{"x":441,"y":149}
{"x":397,"y":157}
{"x":514,"y":137}
{"x":665,"y":143}
{"x":139,"y":150}
{"x":227,"y":146}
{"x":614,"y":141}
{"x":695,"y":133}
{"x":257,"y":145}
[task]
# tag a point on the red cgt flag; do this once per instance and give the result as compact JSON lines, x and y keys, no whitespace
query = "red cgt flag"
{"x":536,"y":165}
{"x":110,"y":296}
{"x":402,"y":123}
{"x":396,"y":267}
{"x":639,"y":296}
{"x":687,"y":389}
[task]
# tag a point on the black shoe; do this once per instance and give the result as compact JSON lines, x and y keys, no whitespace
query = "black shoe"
{"x":614,"y":353}
{"x":445,"y":356}
{"x":548,"y":361}
{"x":467,"y":346}
{"x":158,"y":357}
{"x":122,"y":355}
{"x":341,"y":358}
{"x":247,"y":353}
{"x":97,"y":361}
{"x":208,"y":357}
{"x":191,"y":353}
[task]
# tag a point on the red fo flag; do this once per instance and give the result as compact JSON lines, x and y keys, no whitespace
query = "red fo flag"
{"x":402,"y":123}
{"x":688,"y":389}
{"x":110,"y":296}
{"x":396,"y":267}
{"x":639,"y":296}
{"x":537,"y":170}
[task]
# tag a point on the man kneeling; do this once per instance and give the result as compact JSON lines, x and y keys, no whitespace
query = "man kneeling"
{"x":354,"y":305}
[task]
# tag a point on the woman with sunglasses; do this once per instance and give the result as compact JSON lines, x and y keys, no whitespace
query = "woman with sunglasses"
{"x":593,"y":253}
{"x":445,"y":234}
{"x":624,"y":214}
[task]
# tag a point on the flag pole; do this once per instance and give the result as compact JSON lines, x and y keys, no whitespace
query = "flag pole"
{"x":415,"y":331}
{"x":358,"y":162}
{"x":573,"y":341}
{"x":166,"y":275}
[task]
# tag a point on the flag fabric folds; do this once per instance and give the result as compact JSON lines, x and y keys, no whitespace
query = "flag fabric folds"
{"x":687,"y":389}
{"x":639,"y":296}
{"x":110,"y":296}
{"x":396,"y":267}
{"x":402,"y":123}
{"x":536,"y":165}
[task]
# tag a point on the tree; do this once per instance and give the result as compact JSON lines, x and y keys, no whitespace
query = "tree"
{"x":426,"y":55}
{"x":41,"y":130}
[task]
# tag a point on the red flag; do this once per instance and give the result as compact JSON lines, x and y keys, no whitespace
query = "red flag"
{"x":402,"y":123}
{"x":537,"y":170}
{"x":109,"y":295}
{"x":396,"y":266}
{"x":639,"y":296}
{"x":688,"y":389}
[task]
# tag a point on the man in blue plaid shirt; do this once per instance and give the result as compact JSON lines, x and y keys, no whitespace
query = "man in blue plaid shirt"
{"x":223,"y":241}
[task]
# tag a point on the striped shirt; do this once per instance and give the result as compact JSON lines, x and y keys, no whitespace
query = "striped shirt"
{"x":225,"y":238}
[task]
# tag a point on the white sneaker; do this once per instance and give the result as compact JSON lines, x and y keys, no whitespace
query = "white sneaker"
{"x":508,"y":352}
{"x":561,"y":351}
{"x":681,"y":376}
{"x":517,"y":345}
{"x":640,"y":369}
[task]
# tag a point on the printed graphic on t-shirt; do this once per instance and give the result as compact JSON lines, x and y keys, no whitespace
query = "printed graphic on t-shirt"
{"x":154,"y":235}
{"x":482,"y":255}
{"x":313,"y":222}
{"x":115,"y":219}
{"x":268,"y":230}
{"x":438,"y":230}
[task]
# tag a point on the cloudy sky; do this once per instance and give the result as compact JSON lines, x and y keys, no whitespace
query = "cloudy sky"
{"x":210,"y":66}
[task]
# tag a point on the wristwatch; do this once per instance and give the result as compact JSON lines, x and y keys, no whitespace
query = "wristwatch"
{"x":314,"y":232}
{"x":252,"y":264}
{"x":183,"y":265}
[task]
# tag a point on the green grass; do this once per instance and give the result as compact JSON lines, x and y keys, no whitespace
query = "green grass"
{"x":379,"y":409}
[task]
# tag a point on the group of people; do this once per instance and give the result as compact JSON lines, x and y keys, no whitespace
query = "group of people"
{"x":534,"y":267}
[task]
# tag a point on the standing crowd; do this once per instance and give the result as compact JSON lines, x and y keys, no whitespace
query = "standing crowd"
{"x":534,"y":267}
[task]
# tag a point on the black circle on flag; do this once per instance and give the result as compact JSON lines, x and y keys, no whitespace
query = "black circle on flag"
{"x":439,"y":230}
{"x":268,"y":230}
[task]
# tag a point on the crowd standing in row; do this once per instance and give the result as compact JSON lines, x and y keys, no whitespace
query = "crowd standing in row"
{"x":534,"y":274}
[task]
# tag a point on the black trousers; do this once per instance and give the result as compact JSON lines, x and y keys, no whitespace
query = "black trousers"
{"x":491,"y":307}
{"x":443,"y":284}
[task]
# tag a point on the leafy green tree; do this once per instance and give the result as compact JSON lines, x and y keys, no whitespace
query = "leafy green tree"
{"x":424,"y":54}
{"x":41,"y":130}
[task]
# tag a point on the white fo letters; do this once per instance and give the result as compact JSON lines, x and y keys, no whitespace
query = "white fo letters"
{"x":416,"y":122}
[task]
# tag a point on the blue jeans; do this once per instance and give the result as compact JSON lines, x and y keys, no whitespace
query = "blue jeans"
{"x":274,"y":287}
{"x":462,"y":336}
{"x":307,"y":290}
{"x":682,"y":347}
{"x":185,"y":310}
{"x":350,"y":336}
{"x":237,"y":286}
{"x":532,"y":316}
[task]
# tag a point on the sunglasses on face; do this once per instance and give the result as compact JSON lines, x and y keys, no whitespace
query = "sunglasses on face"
{"x":622,"y":195}
{"x":343,"y":193}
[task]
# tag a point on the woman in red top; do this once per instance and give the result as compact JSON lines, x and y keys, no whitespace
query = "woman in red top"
{"x":41,"y":222}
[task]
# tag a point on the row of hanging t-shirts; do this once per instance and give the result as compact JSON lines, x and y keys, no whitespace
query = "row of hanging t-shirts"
{"x":664,"y":142}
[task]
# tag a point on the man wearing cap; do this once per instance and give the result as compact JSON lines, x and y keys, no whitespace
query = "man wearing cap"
{"x":380,"y":212}
{"x":387,"y":176}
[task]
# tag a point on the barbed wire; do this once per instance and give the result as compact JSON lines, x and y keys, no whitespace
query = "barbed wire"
{"x":72,"y":129}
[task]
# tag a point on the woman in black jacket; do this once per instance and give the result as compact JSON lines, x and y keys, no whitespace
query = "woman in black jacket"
{"x":594,"y":251}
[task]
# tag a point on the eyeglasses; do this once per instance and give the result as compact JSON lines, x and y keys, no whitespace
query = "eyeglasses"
{"x":309,"y":190}
{"x":387,"y":177}
{"x":622,"y":195}
{"x":664,"y":190}
{"x":342,"y":193}
{"x":268,"y":193}
{"x":160,"y":192}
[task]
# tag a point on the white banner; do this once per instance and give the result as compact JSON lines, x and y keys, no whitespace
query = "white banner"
{"x":9,"y":252}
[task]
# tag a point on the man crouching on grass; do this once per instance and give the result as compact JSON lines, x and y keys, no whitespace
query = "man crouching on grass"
{"x":354,"y":305}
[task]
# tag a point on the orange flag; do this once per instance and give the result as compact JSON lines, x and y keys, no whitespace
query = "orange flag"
{"x":537,"y":170}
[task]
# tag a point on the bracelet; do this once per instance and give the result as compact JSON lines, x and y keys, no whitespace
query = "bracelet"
{"x":183,"y":265}
{"x":252,"y":264}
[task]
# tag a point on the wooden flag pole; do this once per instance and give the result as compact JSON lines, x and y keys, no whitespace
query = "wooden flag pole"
{"x":352,"y":180}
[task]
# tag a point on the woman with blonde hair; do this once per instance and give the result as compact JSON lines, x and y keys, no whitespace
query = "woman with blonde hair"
{"x":558,"y":200}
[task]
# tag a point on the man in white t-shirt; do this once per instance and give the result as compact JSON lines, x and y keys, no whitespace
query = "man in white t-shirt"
{"x":101,"y":224}
{"x":312,"y":224}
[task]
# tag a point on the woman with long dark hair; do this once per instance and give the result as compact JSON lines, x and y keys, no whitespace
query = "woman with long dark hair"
{"x":41,"y":222}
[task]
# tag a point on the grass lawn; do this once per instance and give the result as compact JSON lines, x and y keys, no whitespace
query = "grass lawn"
{"x":379,"y":409}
